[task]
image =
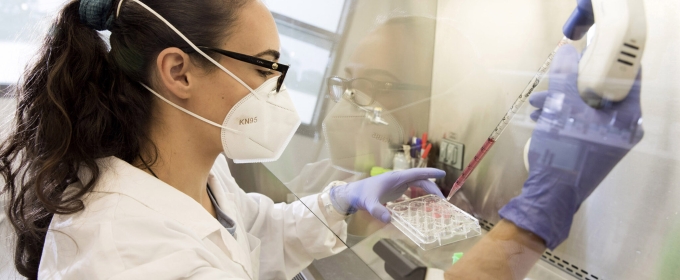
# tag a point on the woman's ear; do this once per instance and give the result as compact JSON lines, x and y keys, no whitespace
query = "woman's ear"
{"x":173,"y":70}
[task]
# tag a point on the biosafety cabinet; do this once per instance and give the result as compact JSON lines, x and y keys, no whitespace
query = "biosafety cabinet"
{"x":451,"y":69}
{"x":455,"y":67}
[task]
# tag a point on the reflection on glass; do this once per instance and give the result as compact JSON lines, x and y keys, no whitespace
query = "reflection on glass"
{"x":338,"y":86}
{"x":375,"y":80}
{"x":388,"y":70}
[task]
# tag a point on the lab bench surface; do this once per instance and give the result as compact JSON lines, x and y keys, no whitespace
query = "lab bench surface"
{"x":361,"y":262}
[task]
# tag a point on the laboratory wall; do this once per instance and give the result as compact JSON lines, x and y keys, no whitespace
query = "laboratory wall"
{"x":485,"y":54}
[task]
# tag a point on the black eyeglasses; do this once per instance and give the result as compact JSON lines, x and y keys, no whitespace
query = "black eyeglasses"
{"x":278,"y":67}
{"x":369,"y":88}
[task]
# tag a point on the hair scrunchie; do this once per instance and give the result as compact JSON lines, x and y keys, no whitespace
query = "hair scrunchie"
{"x":96,"y":14}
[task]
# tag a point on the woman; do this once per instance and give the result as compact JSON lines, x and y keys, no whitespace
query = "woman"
{"x":114,"y":169}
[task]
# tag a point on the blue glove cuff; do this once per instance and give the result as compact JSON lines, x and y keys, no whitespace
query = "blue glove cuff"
{"x":546,"y":207}
{"x":340,"y":198}
{"x":552,"y":231}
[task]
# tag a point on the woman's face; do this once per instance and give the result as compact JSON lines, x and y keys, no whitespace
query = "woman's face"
{"x":215,"y":92}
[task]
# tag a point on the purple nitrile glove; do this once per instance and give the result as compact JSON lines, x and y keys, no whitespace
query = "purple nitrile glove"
{"x":573,"y":148}
{"x":371,"y":193}
{"x":581,"y":19}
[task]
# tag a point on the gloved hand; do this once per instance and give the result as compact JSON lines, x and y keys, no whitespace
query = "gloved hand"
{"x":581,"y":19}
{"x":371,"y":193}
{"x":573,"y":148}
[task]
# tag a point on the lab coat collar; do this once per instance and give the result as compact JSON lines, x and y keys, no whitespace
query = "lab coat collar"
{"x":118,"y":176}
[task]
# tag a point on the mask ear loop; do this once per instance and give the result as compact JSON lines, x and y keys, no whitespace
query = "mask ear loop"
{"x":120,"y":3}
{"x":189,"y":112}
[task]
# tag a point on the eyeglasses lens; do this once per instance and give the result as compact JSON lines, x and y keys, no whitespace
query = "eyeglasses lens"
{"x":363,"y":91}
{"x":335,"y":89}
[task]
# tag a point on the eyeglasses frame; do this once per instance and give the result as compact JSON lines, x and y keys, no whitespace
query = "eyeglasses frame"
{"x":271,"y":65}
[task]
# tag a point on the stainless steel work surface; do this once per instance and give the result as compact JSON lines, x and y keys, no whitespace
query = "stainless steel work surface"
{"x":439,"y":258}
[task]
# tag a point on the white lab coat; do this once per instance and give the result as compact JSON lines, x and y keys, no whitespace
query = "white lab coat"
{"x":7,"y":238}
{"x":135,"y":226}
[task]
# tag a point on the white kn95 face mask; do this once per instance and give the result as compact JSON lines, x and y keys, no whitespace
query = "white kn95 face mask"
{"x":259,"y":127}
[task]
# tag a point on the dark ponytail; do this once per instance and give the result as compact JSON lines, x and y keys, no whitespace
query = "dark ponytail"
{"x":79,"y":102}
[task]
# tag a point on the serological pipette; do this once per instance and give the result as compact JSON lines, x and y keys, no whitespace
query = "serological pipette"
{"x":496,"y":133}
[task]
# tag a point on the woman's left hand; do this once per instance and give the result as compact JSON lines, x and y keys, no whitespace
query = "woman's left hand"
{"x":371,"y":193}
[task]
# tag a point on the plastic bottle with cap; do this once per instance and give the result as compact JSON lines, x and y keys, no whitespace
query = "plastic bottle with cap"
{"x":400,"y":162}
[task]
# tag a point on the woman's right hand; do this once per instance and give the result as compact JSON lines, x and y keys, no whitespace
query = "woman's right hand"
{"x":573,"y":148}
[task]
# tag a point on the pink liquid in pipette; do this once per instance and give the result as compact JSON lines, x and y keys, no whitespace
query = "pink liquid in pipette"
{"x":506,"y":119}
{"x":471,"y":167}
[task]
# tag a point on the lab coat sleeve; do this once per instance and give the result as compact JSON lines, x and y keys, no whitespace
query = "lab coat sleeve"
{"x":291,"y":235}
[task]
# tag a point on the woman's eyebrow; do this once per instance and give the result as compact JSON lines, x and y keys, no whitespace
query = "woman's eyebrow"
{"x":274,"y":53}
{"x":372,"y":72}
{"x":348,"y":71}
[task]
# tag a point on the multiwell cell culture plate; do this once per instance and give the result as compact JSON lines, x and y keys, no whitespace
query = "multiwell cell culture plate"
{"x":430,"y":221}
